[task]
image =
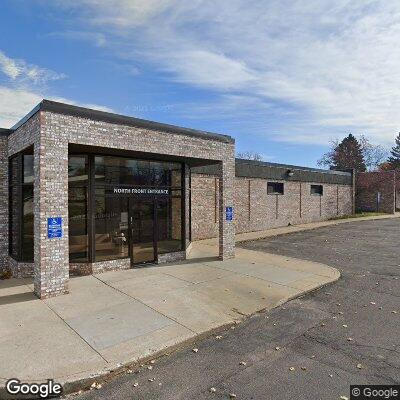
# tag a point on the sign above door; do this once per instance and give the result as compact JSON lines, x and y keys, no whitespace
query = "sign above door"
{"x":138,"y":191}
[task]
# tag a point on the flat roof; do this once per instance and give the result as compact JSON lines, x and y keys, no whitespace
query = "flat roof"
{"x":96,"y":115}
{"x":275,"y":171}
{"x":242,"y":161}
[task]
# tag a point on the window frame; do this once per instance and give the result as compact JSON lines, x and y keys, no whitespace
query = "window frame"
{"x":319,"y":192}
{"x":276,"y":192}
{"x":20,"y":185}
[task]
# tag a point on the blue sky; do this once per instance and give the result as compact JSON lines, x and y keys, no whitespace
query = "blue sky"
{"x":282,"y":77}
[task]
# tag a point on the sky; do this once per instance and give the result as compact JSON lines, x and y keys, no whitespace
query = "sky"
{"x":283,"y":78}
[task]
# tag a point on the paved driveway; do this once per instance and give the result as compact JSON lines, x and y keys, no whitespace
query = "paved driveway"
{"x":310,"y":348}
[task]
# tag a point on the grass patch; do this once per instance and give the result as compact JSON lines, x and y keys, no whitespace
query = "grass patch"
{"x":358,"y":215}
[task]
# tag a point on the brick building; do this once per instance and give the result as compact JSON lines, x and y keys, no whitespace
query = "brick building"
{"x":269,"y":195}
{"x":378,"y":191}
{"x":85,"y":191}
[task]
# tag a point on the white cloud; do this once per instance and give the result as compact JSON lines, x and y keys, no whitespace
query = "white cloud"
{"x":17,"y":98}
{"x":16,"y":103}
{"x":338,"y":62}
{"x":21,"y":71}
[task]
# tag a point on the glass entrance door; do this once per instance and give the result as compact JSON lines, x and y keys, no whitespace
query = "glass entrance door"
{"x":142,"y":230}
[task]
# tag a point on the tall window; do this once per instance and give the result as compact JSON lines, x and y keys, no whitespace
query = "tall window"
{"x":21,"y":177}
{"x":78,"y":182}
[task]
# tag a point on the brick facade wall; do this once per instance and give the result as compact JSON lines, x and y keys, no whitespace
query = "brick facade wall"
{"x":3,"y":204}
{"x":368,"y":184}
{"x":255,"y":210}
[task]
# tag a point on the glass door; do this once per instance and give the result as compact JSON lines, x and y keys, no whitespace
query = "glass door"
{"x":142,"y":230}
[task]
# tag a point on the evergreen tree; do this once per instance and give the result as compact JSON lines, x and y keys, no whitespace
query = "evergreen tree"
{"x":394,"y":159}
{"x":348,"y":154}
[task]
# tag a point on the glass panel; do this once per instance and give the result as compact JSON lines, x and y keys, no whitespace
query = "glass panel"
{"x":111,"y":227}
{"x":15,"y":221}
{"x":123,"y":171}
{"x":169,"y":225}
{"x":142,"y":237}
{"x":27,"y":224}
{"x":77,"y":220}
{"x":77,"y":170}
{"x":28,"y":168}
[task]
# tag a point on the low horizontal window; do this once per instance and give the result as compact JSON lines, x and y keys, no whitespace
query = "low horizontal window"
{"x":317,"y":190}
{"x":275,"y":188}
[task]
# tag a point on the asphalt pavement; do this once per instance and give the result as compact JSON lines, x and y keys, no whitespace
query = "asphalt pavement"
{"x":310,"y":348}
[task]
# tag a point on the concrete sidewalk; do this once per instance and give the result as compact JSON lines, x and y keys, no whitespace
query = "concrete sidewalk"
{"x":120,"y":317}
{"x":284,"y":230}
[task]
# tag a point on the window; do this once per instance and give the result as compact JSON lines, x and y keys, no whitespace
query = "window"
{"x":77,"y":208}
{"x":21,"y":206}
{"x":275,"y":188}
{"x":111,"y":226}
{"x":317,"y":190}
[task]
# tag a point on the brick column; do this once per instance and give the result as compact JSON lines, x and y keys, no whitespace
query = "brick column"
{"x":3,"y":204}
{"x":51,"y":271}
{"x":226,"y":188}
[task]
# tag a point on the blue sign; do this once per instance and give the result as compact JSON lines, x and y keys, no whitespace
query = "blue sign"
{"x":54,"y":227}
{"x":229,"y":213}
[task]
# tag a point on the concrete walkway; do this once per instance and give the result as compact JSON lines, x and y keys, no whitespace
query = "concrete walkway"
{"x":243,"y":237}
{"x":116,"y":318}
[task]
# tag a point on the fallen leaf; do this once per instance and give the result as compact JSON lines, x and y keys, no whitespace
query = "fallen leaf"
{"x":242,"y":363}
{"x":277,"y":348}
{"x":136,"y":384}
{"x":349,"y":339}
{"x":344,"y":398}
{"x":291,"y":369}
{"x":218,"y":337}
{"x":359,"y":366}
{"x":195,"y":350}
{"x":213,"y":390}
{"x":150,"y":367}
{"x":232,"y":395}
{"x":345,"y":326}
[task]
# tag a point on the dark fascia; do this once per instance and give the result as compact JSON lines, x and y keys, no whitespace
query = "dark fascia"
{"x":96,"y":115}
{"x":240,"y":161}
{"x":5,"y":132}
{"x":275,"y":171}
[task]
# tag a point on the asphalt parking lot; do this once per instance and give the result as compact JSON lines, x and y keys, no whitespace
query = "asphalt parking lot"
{"x":313,"y":347}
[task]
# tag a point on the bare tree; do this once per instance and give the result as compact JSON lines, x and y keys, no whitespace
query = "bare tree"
{"x":373,"y":155}
{"x":249,"y":155}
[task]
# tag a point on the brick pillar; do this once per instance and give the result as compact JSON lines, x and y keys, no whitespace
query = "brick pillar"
{"x":3,"y":204}
{"x":51,"y":271}
{"x":226,"y":228}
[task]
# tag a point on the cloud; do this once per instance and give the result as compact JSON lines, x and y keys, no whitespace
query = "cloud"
{"x":16,"y":103}
{"x":333,"y":64}
{"x":21,"y":71}
{"x":17,"y":98}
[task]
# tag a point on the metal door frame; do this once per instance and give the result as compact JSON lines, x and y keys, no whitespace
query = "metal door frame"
{"x":131,"y":201}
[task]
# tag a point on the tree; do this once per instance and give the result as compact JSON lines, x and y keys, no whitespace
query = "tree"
{"x":394,"y":159}
{"x":347,"y":154}
{"x":250,"y":155}
{"x":374,"y":154}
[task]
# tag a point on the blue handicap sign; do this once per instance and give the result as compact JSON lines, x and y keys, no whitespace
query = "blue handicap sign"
{"x":54,"y":227}
{"x":229,"y":213}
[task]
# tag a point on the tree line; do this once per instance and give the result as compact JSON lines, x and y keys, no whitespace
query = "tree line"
{"x":361,"y":155}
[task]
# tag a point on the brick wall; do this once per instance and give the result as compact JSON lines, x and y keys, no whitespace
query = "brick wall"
{"x":369,"y":184}
{"x":3,"y":204}
{"x":255,"y":210}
